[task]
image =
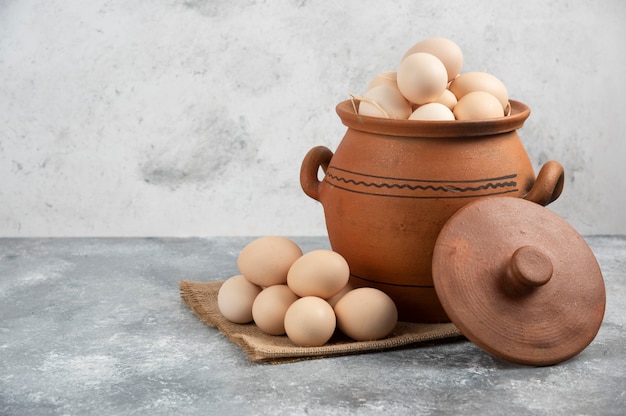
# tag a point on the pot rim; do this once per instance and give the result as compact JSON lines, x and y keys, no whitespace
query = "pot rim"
{"x":433,"y":128}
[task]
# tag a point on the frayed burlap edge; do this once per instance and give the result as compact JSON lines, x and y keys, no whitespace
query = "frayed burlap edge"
{"x":259,"y":347}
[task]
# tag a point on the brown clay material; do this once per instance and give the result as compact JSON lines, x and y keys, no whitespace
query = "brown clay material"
{"x":392,"y":184}
{"x":519,"y":281}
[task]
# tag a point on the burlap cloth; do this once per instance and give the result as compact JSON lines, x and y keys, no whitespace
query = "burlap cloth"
{"x":201,"y":297}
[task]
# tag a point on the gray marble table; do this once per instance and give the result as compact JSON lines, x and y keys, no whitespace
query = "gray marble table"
{"x":97,"y":327}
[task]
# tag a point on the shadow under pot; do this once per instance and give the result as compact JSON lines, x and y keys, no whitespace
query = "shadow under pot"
{"x":391,"y":185}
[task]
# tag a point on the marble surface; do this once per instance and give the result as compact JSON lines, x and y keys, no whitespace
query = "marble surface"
{"x":191,"y":117}
{"x":97,"y":327}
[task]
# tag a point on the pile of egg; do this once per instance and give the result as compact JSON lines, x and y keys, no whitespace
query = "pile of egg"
{"x":429,"y":85}
{"x":305,"y":296}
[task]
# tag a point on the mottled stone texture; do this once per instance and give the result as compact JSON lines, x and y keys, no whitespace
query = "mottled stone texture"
{"x":191,"y":118}
{"x":97,"y":327}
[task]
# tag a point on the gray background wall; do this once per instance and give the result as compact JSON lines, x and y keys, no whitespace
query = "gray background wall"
{"x":192,"y":117}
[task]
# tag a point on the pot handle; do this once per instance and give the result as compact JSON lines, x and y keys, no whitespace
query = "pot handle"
{"x":317,"y":157}
{"x":548,"y":185}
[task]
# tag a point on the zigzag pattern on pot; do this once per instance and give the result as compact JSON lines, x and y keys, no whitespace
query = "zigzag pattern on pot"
{"x":418,"y":188}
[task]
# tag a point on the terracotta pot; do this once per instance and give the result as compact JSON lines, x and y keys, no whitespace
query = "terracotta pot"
{"x":391,"y":185}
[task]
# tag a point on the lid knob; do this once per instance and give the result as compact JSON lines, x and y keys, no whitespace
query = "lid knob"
{"x":531,"y":267}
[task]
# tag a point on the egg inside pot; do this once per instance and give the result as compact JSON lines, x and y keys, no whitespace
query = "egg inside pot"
{"x":384,"y":78}
{"x":384,"y":100}
{"x":446,"y":50}
{"x":429,"y":72}
{"x":432,"y":111}
{"x":447,"y":98}
{"x":478,"y":105}
{"x":480,"y":81}
{"x":422,"y":78}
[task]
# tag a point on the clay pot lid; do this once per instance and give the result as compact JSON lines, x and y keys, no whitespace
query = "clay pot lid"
{"x":519,"y":281}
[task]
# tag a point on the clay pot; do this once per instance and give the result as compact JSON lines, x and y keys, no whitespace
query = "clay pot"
{"x":391,"y":185}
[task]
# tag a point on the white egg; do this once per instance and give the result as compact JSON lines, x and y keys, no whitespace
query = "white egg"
{"x":235,"y":299}
{"x":270,"y":306}
{"x":384,"y":78}
{"x":478,"y":105}
{"x":447,"y":98}
{"x":479,"y":81}
{"x":266,"y":260}
{"x":332,"y":301}
{"x":321,"y":273}
{"x":422,"y":78}
{"x":310,"y":322}
{"x":384,"y":101}
{"x":448,"y":52}
{"x":432,"y":111}
{"x":366,"y":314}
